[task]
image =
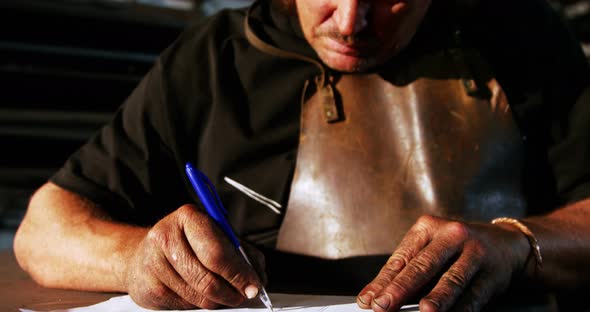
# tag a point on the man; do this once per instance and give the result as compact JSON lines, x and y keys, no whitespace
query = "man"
{"x":382,"y":126}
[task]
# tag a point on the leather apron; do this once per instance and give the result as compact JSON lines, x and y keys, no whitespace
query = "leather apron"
{"x":378,"y":150}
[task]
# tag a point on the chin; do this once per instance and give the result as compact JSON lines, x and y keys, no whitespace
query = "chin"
{"x":349,"y":64}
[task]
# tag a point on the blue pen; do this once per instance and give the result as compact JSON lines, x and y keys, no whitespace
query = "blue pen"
{"x":210,"y":199}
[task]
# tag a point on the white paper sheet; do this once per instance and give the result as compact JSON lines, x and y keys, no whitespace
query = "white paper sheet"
{"x":281,"y":302}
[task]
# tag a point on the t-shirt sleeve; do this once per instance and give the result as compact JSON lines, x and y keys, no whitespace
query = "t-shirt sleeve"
{"x":134,"y":166}
{"x":129,"y":167}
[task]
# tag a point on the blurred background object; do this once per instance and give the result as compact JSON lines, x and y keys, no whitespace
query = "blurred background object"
{"x":65,"y":67}
{"x":209,"y":7}
{"x":577,"y":14}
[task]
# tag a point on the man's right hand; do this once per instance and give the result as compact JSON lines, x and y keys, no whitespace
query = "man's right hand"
{"x":186,"y":261}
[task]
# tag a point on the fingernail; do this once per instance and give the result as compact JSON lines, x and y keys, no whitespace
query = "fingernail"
{"x":366,"y":299}
{"x":429,"y":305}
{"x":434,"y":303}
{"x":251,"y":291}
{"x":383,"y":302}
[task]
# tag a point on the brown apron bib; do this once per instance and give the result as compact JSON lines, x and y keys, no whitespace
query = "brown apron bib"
{"x":399,"y":153}
{"x":390,"y":152}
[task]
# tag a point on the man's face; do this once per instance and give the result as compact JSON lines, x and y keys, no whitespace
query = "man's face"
{"x":356,"y":35}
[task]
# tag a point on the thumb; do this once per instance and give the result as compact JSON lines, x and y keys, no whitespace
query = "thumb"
{"x":216,"y":252}
{"x":257,"y":260}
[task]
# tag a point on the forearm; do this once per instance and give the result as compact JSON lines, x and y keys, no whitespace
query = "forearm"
{"x":564,"y":238}
{"x":66,"y":241}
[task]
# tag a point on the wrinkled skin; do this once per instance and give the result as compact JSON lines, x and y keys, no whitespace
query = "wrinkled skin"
{"x":185,"y":261}
{"x":466,"y":263}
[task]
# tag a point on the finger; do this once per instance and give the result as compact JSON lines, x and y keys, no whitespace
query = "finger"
{"x":385,"y":276}
{"x":454,"y":282}
{"x":478,"y":295}
{"x":190,"y":279}
{"x":258,"y":261}
{"x":214,"y":250}
{"x":422,"y":268}
{"x":413,"y":242}
{"x":160,"y":297}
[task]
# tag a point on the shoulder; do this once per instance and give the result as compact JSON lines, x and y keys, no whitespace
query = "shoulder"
{"x":190,"y":72}
{"x":215,"y":30}
{"x":202,"y":46}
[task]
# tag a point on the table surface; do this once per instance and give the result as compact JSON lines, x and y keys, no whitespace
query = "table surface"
{"x":18,"y":290}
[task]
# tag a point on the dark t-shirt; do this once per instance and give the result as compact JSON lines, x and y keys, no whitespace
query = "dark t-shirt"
{"x":232,"y":110}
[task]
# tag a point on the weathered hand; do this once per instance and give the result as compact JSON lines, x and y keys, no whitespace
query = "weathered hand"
{"x":185,"y":261}
{"x":466,"y":263}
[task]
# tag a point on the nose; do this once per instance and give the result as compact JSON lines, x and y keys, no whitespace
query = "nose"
{"x":351,"y":16}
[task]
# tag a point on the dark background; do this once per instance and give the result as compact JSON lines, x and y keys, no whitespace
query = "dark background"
{"x":66,"y":65}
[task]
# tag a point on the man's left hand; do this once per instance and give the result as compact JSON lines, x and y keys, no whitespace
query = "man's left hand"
{"x":467,"y":263}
